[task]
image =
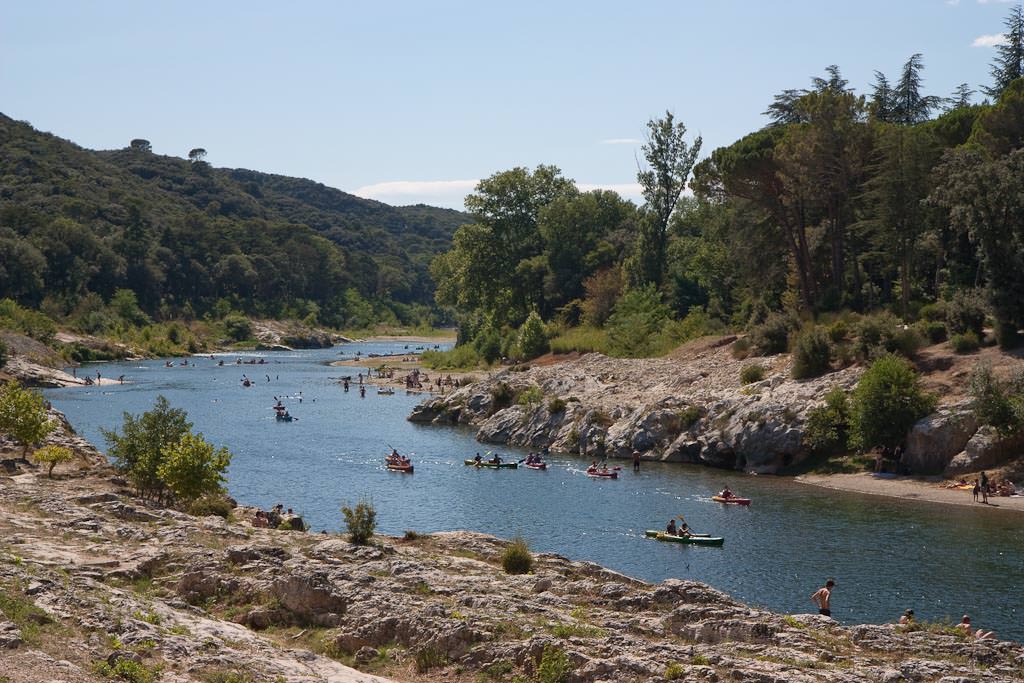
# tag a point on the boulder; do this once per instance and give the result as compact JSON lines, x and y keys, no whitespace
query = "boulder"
{"x":10,"y":635}
{"x":934,"y":440}
{"x":985,"y":449}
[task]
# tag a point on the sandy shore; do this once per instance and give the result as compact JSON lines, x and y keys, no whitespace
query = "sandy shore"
{"x":912,"y":488}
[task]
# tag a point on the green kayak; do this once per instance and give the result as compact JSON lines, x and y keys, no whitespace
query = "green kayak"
{"x":500,"y":465}
{"x":694,"y":540}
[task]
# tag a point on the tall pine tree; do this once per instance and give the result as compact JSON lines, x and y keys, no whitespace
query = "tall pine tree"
{"x":1008,"y":65}
{"x":909,"y":106}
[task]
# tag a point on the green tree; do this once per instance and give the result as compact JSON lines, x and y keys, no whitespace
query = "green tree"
{"x":669,"y":160}
{"x":886,"y":403}
{"x":828,"y":424}
{"x":138,"y":451}
{"x":909,"y":106}
{"x":882,"y":97}
{"x":533,"y":339}
{"x":140,"y":145}
{"x":635,"y":326}
{"x":960,"y":99}
{"x":361,"y":521}
{"x":197,"y":154}
{"x":603,"y":289}
{"x":1008,"y":64}
{"x":999,"y":403}
{"x":192,"y":467}
{"x":125,"y":305}
{"x":23,"y":415}
{"x":51,"y":456}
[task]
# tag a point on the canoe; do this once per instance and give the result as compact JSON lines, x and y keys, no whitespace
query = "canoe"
{"x":500,"y":465}
{"x":692,"y":540}
{"x":536,"y":465}
{"x":600,"y":474}
{"x":395,"y":467}
{"x":731,"y":501}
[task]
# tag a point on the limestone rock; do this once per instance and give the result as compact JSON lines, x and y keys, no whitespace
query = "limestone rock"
{"x":934,"y":440}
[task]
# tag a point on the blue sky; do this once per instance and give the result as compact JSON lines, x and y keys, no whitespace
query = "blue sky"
{"x":413,"y":101}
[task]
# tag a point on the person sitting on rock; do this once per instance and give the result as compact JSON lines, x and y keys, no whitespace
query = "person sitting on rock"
{"x":966,"y":627}
{"x":907,"y":617}
{"x":671,"y":528}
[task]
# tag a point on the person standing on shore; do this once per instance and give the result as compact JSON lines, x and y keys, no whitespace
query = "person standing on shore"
{"x":983,"y":481}
{"x":823,"y":598}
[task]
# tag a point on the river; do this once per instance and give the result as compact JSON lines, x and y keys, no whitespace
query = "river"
{"x":886,"y":555}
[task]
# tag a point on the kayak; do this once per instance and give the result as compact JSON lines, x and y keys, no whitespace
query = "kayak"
{"x":732,"y":501}
{"x":602,"y":474}
{"x":536,"y":465}
{"x":500,"y":465}
{"x":693,"y":540}
{"x":398,"y":466}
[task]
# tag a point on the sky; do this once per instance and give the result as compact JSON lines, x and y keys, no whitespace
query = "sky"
{"x":413,"y":102}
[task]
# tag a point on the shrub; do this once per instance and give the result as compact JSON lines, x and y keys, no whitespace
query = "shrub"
{"x":51,"y":456}
{"x":517,"y":558}
{"x":965,"y":343}
{"x":27,"y":321}
{"x":674,"y":671}
{"x":192,"y":467}
{"x":3,"y":353}
{"x":634,"y":326}
{"x":751,"y":373}
{"x":530,"y":396}
{"x":934,"y":331}
{"x":237,"y":327}
{"x":888,"y":400}
{"x":965,"y":313}
{"x":212,"y":504}
{"x":128,"y":670}
{"x":581,"y":340}
{"x":772,"y":336}
{"x":555,"y":406}
{"x":812,"y":353}
{"x":689,"y":415}
{"x":996,"y":403}
{"x":838,"y":331}
{"x":461,"y":357}
{"x":361,"y":521}
{"x":872,"y":332}
{"x":904,"y":340}
{"x":488,"y":345}
{"x":828,"y":424}
{"x":741,"y":348}
{"x":554,"y":666}
{"x":532,"y":339}
{"x":501,"y":396}
{"x":934,"y":312}
{"x":139,"y":450}
{"x":23,"y":415}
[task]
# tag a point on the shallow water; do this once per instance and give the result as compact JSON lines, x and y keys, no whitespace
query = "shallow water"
{"x":886,"y":555}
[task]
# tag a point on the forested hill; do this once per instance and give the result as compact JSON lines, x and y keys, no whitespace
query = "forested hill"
{"x":77,"y":223}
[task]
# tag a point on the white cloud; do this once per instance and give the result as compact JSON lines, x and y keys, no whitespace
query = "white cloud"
{"x":621,"y":141}
{"x":398,"y":189}
{"x":989,"y":40}
{"x":954,"y":3}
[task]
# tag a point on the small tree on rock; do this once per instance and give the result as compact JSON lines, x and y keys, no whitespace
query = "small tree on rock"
{"x":361,"y":521}
{"x":138,"y":451}
{"x":192,"y":467}
{"x":51,"y":456}
{"x":23,"y":415}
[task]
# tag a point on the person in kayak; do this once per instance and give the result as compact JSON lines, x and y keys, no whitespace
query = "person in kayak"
{"x":726,"y":493}
{"x":823,"y":598}
{"x":478,"y":459}
{"x":671,"y":528}
{"x":496,"y":460}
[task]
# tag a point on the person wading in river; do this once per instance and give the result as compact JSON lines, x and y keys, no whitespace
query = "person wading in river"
{"x":823,"y":598}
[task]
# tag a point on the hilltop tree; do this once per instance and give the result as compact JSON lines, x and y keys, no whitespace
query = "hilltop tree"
{"x":961,"y":98}
{"x":1008,"y":64}
{"x":669,"y":162}
{"x":23,"y":415}
{"x":909,"y":106}
{"x":140,"y":145}
{"x":197,"y":154}
{"x":783,"y":110}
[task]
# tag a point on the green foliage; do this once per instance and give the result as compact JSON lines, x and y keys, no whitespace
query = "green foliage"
{"x":461,"y":357}
{"x":211,"y":504}
{"x":532,"y":338}
{"x":887,"y":401}
{"x":999,"y":403}
{"x":138,"y":451}
{"x":554,"y":666}
{"x":741,"y":348}
{"x":812,"y":353}
{"x":23,"y":415}
{"x":361,"y":521}
{"x":689,"y":415}
{"x":51,"y":456}
{"x":3,"y":353}
{"x":128,"y":670}
{"x":531,"y":396}
{"x":675,"y":671}
{"x":933,"y":312}
{"x":487,"y":344}
{"x":237,"y":327}
{"x":428,"y":658}
{"x":965,"y":313}
{"x":125,"y":304}
{"x":754,"y":372}
{"x":192,"y":467}
{"x":965,"y":343}
{"x":934,"y":331}
{"x":838,"y":331}
{"x":26,"y":321}
{"x":828,"y":424}
{"x":772,"y":336}
{"x":636,"y":323}
{"x":502,"y":396}
{"x":516,"y":558}
{"x":581,"y":340}
{"x":884,"y":333}
{"x":556,"y":406}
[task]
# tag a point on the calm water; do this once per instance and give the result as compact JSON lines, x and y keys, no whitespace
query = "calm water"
{"x":886,"y":555}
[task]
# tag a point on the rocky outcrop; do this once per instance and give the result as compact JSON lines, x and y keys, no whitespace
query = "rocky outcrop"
{"x":934,"y":440}
{"x":679,"y":410}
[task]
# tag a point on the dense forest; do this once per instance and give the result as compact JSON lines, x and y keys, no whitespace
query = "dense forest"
{"x":842,"y":205}
{"x":187,"y":239}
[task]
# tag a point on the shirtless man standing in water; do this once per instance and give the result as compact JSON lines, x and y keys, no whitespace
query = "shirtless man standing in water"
{"x":822,"y":598}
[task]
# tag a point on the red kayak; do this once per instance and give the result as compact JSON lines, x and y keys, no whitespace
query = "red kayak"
{"x":731,"y":500}
{"x":603,"y":474}
{"x":400,"y":467}
{"x":536,"y":465}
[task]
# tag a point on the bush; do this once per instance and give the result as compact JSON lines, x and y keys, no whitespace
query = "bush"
{"x":934,"y":331}
{"x":635,"y":325}
{"x":532,"y":339}
{"x":812,"y":353}
{"x":996,"y":403}
{"x":554,"y":666}
{"x":689,"y":415}
{"x":517,"y":558}
{"x":838,"y":331}
{"x":772,"y":336}
{"x":3,"y":353}
{"x":885,"y":333}
{"x":752,"y":373}
{"x":192,"y":467}
{"x":888,"y":400}
{"x":27,"y":321}
{"x":741,"y":348}
{"x":530,"y":396}
{"x":23,"y":415}
{"x":237,"y":327}
{"x":461,"y":357}
{"x":965,"y":313}
{"x":212,"y":504}
{"x":428,"y":658}
{"x":965,"y":343}
{"x":51,"y":456}
{"x":501,"y":396}
{"x":934,"y":312}
{"x":139,"y":450}
{"x":581,"y":340}
{"x":828,"y":424}
{"x":555,"y":406}
{"x":361,"y":522}
{"x":488,"y":345}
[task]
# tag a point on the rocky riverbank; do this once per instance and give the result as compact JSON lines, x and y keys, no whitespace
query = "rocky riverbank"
{"x":692,"y":407}
{"x":92,"y":576}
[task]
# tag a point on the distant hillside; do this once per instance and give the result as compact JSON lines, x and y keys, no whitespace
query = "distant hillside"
{"x":177,"y":232}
